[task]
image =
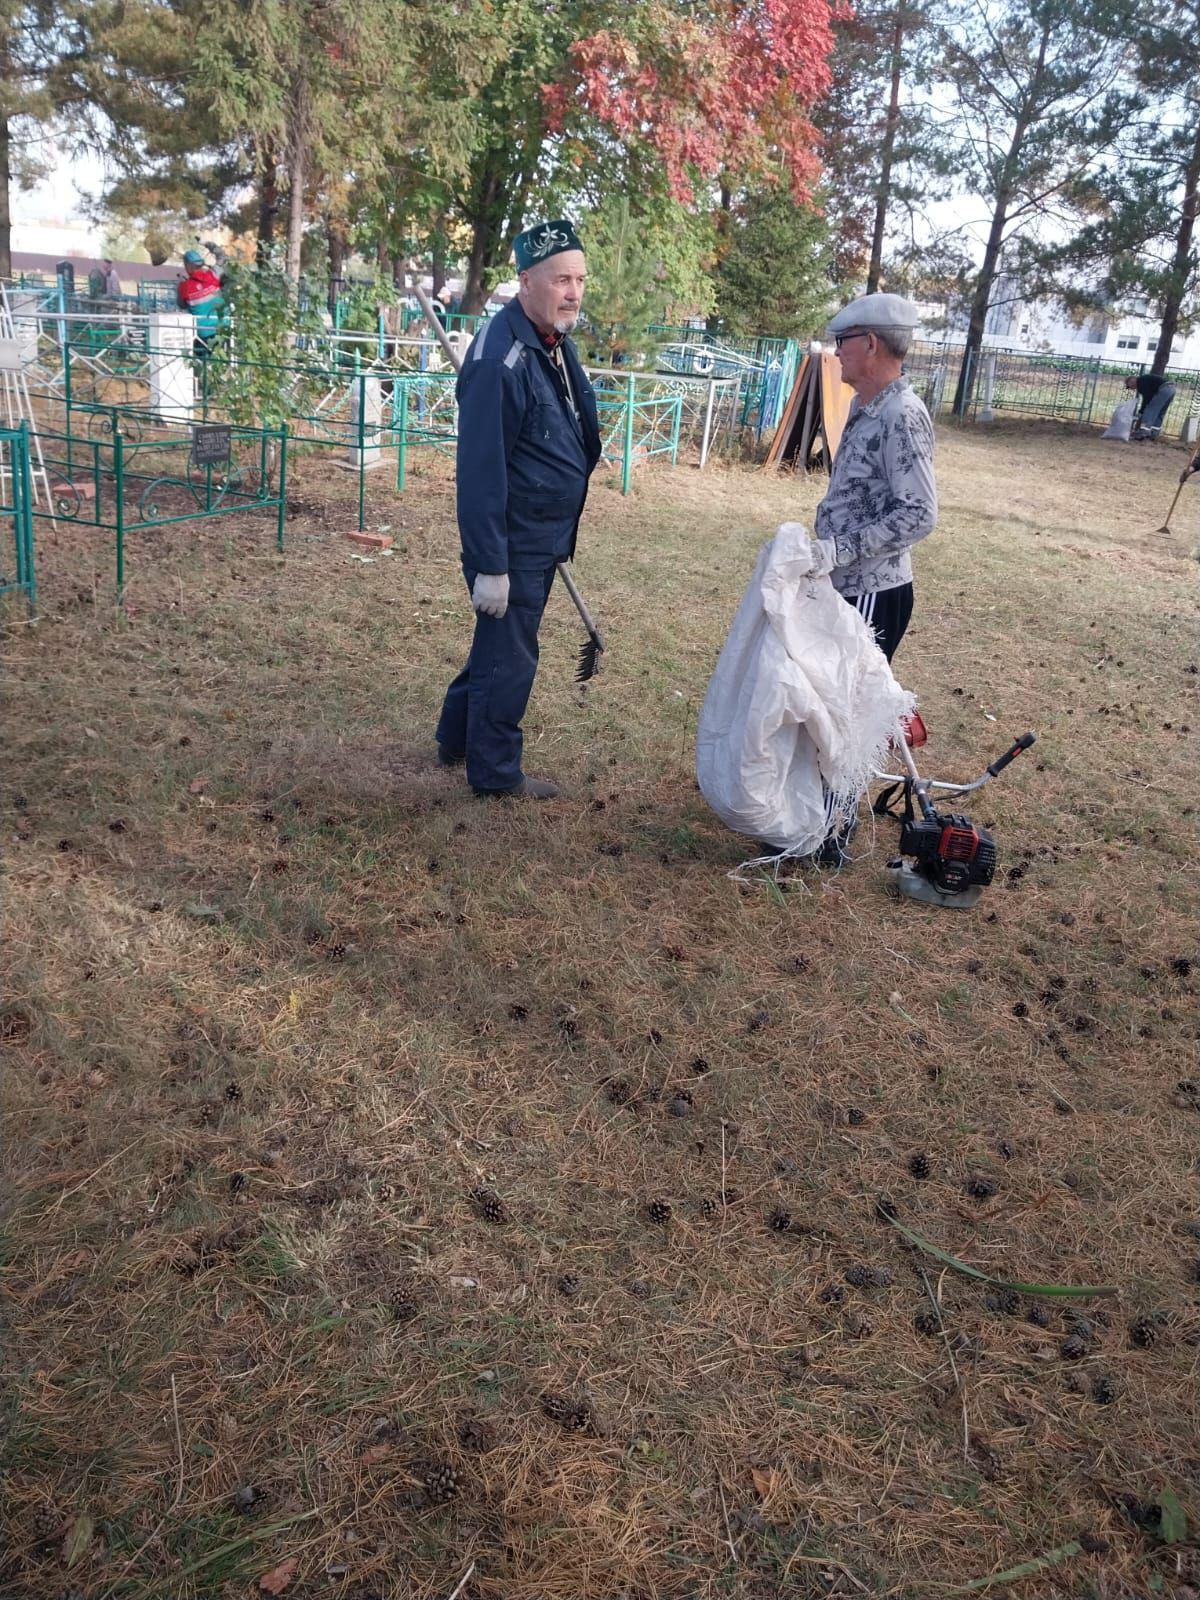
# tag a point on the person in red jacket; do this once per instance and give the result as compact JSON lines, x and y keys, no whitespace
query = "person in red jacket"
{"x":200,"y":293}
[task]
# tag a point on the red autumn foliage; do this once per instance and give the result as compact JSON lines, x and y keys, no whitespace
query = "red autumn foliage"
{"x":724,"y":89}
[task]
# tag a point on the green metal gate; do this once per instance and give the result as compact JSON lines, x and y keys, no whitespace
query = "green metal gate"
{"x":16,"y":511}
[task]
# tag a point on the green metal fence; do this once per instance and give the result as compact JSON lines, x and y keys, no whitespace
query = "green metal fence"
{"x":633,"y":427}
{"x":422,"y":412}
{"x":127,"y":485}
{"x":155,"y":295}
{"x":17,"y":571}
{"x":932,"y":369}
{"x":764,"y":367}
{"x":1083,"y":389}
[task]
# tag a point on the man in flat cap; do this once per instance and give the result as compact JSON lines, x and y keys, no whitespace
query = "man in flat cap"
{"x":881,"y":498}
{"x":528,"y":440}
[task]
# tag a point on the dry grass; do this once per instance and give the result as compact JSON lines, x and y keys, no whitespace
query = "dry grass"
{"x":281,"y":995}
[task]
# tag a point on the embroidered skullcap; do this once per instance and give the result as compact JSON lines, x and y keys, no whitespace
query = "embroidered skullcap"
{"x":543,"y":240}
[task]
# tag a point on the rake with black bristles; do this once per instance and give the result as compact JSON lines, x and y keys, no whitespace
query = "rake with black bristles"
{"x":593,"y":646}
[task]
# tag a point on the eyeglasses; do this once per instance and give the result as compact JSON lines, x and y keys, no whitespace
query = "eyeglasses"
{"x":839,"y":339}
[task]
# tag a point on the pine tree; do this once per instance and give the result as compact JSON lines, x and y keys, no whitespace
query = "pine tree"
{"x":1040,"y":97}
{"x":774,"y":277}
{"x":38,"y":41}
{"x":1139,"y":239}
{"x":625,"y":290}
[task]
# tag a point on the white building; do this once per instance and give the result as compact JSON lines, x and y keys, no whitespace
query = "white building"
{"x":1043,"y":328}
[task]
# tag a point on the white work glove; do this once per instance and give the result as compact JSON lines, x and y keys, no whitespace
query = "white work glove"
{"x":490,"y":594}
{"x":822,"y":552}
{"x":824,"y":557}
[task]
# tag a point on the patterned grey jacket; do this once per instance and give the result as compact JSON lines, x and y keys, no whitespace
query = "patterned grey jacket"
{"x":882,"y":498}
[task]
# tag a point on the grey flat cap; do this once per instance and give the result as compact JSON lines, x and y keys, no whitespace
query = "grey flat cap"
{"x":876,"y":311}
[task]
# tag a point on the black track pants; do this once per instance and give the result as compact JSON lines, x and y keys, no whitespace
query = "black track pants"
{"x":888,"y":612}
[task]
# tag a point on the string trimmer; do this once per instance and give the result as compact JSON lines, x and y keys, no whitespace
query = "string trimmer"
{"x":593,"y":646}
{"x":944,"y":860}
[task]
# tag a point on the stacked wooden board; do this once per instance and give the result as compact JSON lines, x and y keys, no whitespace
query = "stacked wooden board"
{"x":810,"y":430}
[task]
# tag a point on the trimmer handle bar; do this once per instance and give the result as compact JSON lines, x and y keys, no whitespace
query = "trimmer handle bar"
{"x":993,"y":771}
{"x":1011,"y":754}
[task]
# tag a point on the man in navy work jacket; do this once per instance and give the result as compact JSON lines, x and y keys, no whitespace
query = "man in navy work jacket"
{"x":528,"y":439}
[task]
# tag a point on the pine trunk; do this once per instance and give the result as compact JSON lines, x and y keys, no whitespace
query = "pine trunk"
{"x":487,"y":226}
{"x":497,"y":203}
{"x":1181,"y":261}
{"x":268,"y":200}
{"x":438,"y":256}
{"x":5,"y":214}
{"x":886,"y":154}
{"x":297,"y":155}
{"x":338,"y":249}
{"x":1006,"y":189}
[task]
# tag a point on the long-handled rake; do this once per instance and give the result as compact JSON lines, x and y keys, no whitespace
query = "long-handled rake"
{"x":1166,"y":527}
{"x":1183,"y":478}
{"x":593,"y":646}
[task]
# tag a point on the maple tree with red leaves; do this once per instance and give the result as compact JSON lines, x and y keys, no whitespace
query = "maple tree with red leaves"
{"x":726,"y":89}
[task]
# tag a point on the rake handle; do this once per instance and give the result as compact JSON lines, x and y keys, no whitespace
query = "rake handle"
{"x":435,"y":326}
{"x":585,"y":615}
{"x":1178,"y":491}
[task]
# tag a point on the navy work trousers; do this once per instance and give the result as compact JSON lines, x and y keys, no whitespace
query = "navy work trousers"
{"x":482,"y":711}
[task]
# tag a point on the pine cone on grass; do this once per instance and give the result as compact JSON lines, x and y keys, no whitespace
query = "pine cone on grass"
{"x":476,"y":1433}
{"x":863,"y":1277}
{"x":489,"y":1204}
{"x":440,"y":1481}
{"x":574,"y":1415}
{"x":402,"y":1302}
{"x":1143,"y":1333}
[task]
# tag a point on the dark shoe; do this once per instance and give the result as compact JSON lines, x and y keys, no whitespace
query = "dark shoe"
{"x":536,"y":789}
{"x":527,"y":789}
{"x":835,"y":852}
{"x":450,"y":758}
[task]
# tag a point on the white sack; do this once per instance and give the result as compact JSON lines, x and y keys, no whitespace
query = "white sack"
{"x":801,"y":694}
{"x":1122,"y":421}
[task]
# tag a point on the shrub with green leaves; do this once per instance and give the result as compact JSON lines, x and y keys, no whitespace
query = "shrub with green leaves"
{"x":251,"y":372}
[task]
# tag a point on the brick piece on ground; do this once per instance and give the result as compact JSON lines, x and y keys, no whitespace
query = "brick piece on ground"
{"x":85,"y":490}
{"x":371,"y":541}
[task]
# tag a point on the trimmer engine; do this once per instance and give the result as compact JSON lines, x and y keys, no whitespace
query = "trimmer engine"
{"x":950,"y":851}
{"x":944,"y":858}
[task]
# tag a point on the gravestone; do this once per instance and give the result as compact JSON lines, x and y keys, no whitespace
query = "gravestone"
{"x":366,"y":418}
{"x":172,"y":385}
